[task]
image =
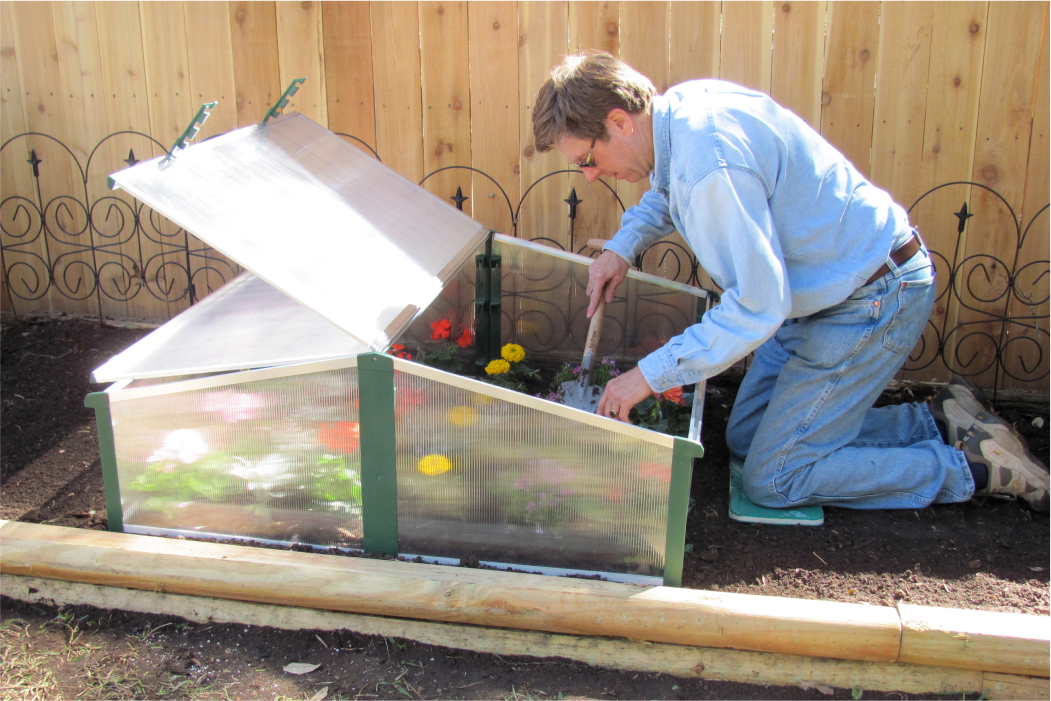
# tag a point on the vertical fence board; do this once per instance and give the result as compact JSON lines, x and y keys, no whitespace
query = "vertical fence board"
{"x":80,"y":67}
{"x":1005,"y":121}
{"x":544,"y":41}
{"x":747,"y":29}
{"x":446,"y":82}
{"x":348,"y":71}
{"x":957,"y":52}
{"x":495,"y":113}
{"x":211,"y":62}
{"x":300,"y":54}
{"x":695,"y":41}
{"x":644,"y":45}
{"x":58,"y":188}
{"x":396,"y":57}
{"x":257,"y":74}
{"x":798,"y":58}
{"x":593,"y":25}
{"x":847,"y":96}
{"x":1028,"y":354}
{"x":171,"y":110}
{"x":127,"y":108}
{"x":901,"y":98}
{"x":16,"y":178}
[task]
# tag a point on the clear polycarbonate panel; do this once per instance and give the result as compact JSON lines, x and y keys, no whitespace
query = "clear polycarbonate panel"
{"x":544,"y":306}
{"x":316,"y":218}
{"x":497,"y":480}
{"x":245,"y":324}
{"x":455,"y":305}
{"x":271,"y":459}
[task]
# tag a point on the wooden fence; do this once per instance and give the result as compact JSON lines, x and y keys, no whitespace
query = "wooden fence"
{"x":916,"y":94}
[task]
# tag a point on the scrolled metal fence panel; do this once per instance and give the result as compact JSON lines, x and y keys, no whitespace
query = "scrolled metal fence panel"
{"x":83,"y":246}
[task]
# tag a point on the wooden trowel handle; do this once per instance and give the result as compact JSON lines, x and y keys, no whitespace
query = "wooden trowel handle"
{"x":594,"y":333}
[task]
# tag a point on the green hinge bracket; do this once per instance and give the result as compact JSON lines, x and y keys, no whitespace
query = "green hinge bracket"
{"x":291,"y":90}
{"x":191,"y":131}
{"x":379,"y":473}
{"x":682,"y":458}
{"x":99,"y":401}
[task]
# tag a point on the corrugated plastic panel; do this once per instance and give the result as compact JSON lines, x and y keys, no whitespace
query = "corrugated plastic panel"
{"x":271,"y":459}
{"x":316,"y":218}
{"x":508,"y":481}
{"x":245,"y":324}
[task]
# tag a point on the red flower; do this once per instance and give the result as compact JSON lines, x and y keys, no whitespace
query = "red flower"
{"x":672,"y":395}
{"x":342,"y":436}
{"x":465,"y":337}
{"x":398,"y":350}
{"x":440,"y":329}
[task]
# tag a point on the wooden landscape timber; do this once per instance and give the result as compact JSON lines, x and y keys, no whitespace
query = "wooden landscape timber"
{"x":773,"y":640}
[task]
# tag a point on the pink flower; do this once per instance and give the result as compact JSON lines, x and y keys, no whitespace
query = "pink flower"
{"x":233,"y":406}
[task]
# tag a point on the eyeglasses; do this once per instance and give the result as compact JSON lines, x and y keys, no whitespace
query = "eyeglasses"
{"x":589,"y":160}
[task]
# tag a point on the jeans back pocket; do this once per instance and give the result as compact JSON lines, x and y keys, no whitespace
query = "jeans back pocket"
{"x":913,"y":301}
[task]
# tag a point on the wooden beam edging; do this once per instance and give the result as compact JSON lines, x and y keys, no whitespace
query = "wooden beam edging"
{"x":610,"y":653}
{"x":989,"y":642}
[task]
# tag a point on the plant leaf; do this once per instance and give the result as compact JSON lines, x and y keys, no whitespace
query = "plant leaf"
{"x":300,"y":667}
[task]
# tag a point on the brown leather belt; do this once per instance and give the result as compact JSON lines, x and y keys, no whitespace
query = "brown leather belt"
{"x":900,"y":257}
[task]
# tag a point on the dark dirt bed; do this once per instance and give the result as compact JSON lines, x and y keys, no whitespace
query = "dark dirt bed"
{"x":988,"y":554}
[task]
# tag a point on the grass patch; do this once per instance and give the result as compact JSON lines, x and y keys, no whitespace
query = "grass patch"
{"x":24,"y":673}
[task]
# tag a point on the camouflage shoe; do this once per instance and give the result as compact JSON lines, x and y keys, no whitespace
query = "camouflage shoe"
{"x":1012,"y":472}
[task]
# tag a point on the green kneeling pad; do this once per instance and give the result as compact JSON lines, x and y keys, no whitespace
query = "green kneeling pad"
{"x":741,"y":509}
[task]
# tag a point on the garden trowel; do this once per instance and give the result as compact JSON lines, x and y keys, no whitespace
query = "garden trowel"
{"x":581,"y":393}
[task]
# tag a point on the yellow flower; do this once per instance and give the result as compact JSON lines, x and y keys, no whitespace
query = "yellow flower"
{"x":462,"y":416}
{"x":497,"y":367}
{"x":512,"y":353}
{"x":433,"y":465}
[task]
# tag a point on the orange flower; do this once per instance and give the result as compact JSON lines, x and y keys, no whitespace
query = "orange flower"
{"x":655,"y":470}
{"x":342,"y":436}
{"x":672,"y":395}
{"x":465,"y":337}
{"x":440,"y":329}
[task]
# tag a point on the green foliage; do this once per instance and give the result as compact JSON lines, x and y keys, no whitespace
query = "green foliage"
{"x":444,"y":356}
{"x":513,"y":378}
{"x":663,"y":415}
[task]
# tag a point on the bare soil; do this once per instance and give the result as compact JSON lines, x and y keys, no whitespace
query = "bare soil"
{"x":987,"y":554}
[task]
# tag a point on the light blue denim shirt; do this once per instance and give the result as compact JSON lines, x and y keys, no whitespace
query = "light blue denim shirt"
{"x":782,"y":222}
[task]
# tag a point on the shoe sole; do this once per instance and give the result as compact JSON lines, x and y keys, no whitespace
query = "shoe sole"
{"x":1004,"y":433}
{"x":966,"y":398}
{"x":1023,"y":463}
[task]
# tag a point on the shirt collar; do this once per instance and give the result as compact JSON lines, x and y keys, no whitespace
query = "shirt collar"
{"x":661,"y":175}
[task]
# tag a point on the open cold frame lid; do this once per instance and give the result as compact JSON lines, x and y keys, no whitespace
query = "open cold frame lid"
{"x":316,"y":218}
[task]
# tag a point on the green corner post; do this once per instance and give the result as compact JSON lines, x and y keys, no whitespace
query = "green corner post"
{"x":678,"y":505}
{"x":379,"y":477}
{"x":99,"y":401}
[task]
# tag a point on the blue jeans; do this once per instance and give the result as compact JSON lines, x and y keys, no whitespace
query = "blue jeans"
{"x":803,"y":421}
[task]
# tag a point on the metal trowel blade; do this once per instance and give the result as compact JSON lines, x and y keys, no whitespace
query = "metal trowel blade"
{"x":581,"y":394}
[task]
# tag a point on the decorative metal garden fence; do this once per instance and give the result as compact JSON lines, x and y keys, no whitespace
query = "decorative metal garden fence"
{"x":105,"y":247}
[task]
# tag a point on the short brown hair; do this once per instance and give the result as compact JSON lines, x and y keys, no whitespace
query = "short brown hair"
{"x":581,"y":92}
